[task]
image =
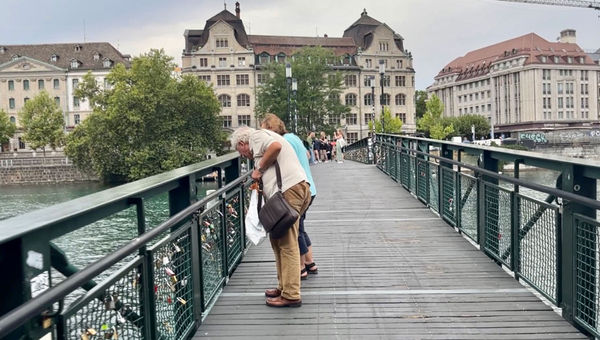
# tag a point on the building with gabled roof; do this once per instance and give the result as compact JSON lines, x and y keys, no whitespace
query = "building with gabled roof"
{"x":523,"y":83}
{"x":231,"y":60}
{"x":25,"y":70}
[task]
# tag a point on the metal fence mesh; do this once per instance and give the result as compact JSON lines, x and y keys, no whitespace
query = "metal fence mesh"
{"x":212,"y":252}
{"x":498,"y":222}
{"x":173,"y":286}
{"x":115,"y":314}
{"x":587,"y":272}
{"x":423,"y":180}
{"x":234,"y":230}
{"x":404,"y":170}
{"x":433,"y":186}
{"x":468,"y":205}
{"x":538,"y":230}
{"x":448,"y":195}
{"x":413,"y":173}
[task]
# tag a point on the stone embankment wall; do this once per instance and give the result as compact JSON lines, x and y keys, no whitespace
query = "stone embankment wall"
{"x":43,"y":174}
{"x":579,"y":143}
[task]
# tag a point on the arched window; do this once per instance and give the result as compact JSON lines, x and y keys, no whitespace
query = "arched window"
{"x":13,"y":119}
{"x":225,"y":100}
{"x":11,"y":103}
{"x":243,"y":100}
{"x":368,"y":99}
{"x":351,"y":99}
{"x":401,"y":99}
{"x":264,"y":58}
{"x":25,"y":84}
{"x":385,"y":99}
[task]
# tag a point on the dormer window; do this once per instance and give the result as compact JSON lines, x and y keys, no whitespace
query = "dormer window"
{"x":97,"y":56}
{"x":54,"y":58}
{"x":14,"y":57}
{"x":75,"y":63}
{"x":543,"y":58}
{"x":107,"y":63}
{"x":78,"y":48}
{"x":556,"y":59}
{"x":2,"y":49}
{"x":222,"y":42}
{"x":570,"y":60}
{"x":581,"y":60}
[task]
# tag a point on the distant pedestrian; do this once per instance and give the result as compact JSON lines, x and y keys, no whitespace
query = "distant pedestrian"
{"x":339,"y":144}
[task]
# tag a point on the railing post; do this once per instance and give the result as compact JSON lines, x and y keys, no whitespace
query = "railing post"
{"x":573,"y":180}
{"x":515,"y":264}
{"x":445,"y":152}
{"x":486,"y":162}
{"x":13,"y":286}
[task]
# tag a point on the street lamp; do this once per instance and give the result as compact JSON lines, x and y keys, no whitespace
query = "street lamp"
{"x":382,"y":75}
{"x":372,"y":84}
{"x":288,"y":77}
{"x":294,"y":92}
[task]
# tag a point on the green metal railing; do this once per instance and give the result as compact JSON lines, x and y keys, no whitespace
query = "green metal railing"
{"x":160,"y":284}
{"x":552,"y":245}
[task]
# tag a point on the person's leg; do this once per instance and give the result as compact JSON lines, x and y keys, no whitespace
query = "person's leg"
{"x":277,"y":253}
{"x":338,"y":152}
{"x":302,"y":245}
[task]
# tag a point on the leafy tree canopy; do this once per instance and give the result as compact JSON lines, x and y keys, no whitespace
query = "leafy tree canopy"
{"x":317,"y":99}
{"x":432,"y":123}
{"x":42,"y":122}
{"x":7,"y":129}
{"x":464,"y":123}
{"x":147,"y":122}
{"x":391,"y":124}
{"x":421,"y":106}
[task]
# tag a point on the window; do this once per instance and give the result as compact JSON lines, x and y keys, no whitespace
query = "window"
{"x":96,"y":56}
{"x":385,"y":99}
{"x":241,"y":61}
{"x":489,"y":107}
{"x":242,"y":79}
{"x":584,"y":89}
{"x":400,"y":81}
{"x":368,"y":118}
{"x":399,"y":63}
{"x":107,"y":63}
{"x":13,"y":119}
{"x":54,"y":58}
{"x":204,"y":78}
{"x":351,"y":119}
{"x":367,"y":81}
{"x":222,"y":42}
{"x":11,"y":85}
{"x":569,"y":88}
{"x":368,"y":63}
{"x":261,"y":78}
{"x":386,"y":80}
{"x":40,"y":84}
{"x":57,"y":100}
{"x":76,"y":102}
{"x":107,"y":84}
{"x":77,"y":119}
{"x":350,"y":80}
{"x":559,"y":88}
{"x":334,"y":120}
{"x":368,"y":99}
{"x":222,"y":62}
{"x":560,"y":102}
{"x":584,"y":75}
{"x":280,"y":58}
{"x":350,"y":99}
{"x":225,"y":100}
{"x":226,"y":121}
{"x":203,"y":62}
{"x":74,"y":63}
{"x":264,"y":58}
{"x":352,"y":137}
{"x":556,"y":59}
{"x":222,"y":80}
{"x":75,"y":83}
{"x":25,"y":84}
{"x":401,"y":99}
{"x":56,"y":84}
{"x":383,"y":46}
{"x":243,"y":100}
{"x":11,"y":103}
{"x":243,"y":120}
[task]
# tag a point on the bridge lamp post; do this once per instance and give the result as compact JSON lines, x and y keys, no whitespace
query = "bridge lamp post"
{"x":382,"y":75}
{"x":288,"y":77}
{"x":294,"y":92}
{"x":372,"y":84}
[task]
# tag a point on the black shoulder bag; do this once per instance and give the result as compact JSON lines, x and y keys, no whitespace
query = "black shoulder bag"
{"x":276,"y":216}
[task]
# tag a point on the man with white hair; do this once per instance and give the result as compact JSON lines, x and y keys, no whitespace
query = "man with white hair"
{"x":266,"y":147}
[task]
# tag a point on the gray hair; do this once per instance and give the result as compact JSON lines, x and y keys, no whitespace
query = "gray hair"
{"x":241,"y":134}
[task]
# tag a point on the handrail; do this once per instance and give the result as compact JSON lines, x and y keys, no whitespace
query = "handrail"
{"x":37,"y":305}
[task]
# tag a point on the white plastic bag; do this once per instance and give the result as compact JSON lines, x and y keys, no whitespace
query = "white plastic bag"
{"x":254,"y":229}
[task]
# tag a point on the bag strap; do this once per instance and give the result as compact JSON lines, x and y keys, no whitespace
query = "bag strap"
{"x":260,"y":185}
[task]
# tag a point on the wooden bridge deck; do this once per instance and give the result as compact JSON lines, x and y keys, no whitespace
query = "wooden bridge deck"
{"x":388,"y":268}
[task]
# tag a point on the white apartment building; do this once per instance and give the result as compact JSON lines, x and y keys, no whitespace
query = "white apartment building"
{"x":231,"y":60}
{"x":25,"y":70}
{"x":523,"y":83}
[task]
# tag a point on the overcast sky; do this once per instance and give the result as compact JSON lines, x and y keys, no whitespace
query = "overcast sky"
{"x":435,"y":31}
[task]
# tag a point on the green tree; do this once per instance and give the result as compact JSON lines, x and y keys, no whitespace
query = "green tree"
{"x":147,"y":122}
{"x":432,"y":123}
{"x":463,"y":125}
{"x":391,"y":124}
{"x":7,"y":129}
{"x":43,"y":123}
{"x":421,"y":100}
{"x":317,"y":99}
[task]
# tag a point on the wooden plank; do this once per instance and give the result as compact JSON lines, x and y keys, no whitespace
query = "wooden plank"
{"x":388,"y":268}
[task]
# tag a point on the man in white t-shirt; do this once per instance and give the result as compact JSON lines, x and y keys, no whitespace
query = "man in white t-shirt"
{"x":266,"y":147}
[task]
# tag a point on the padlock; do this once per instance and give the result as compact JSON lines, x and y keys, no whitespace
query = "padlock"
{"x":157,"y":264}
{"x":168,"y":326}
{"x":170,"y":285}
{"x":109,"y":302}
{"x":183,"y":282}
{"x":181,"y":300}
{"x":84,"y":336}
{"x":120,"y":319}
{"x":46,"y":322}
{"x":177,"y":248}
{"x":169,"y":272}
{"x":203,"y":238}
{"x":165,"y":260}
{"x":108,"y":334}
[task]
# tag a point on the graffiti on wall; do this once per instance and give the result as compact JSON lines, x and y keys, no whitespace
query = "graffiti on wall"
{"x":536,"y":137}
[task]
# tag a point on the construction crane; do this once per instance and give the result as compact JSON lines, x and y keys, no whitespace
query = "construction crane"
{"x":569,"y":3}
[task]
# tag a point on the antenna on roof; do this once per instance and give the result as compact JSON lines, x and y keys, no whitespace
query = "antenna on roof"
{"x":225,"y":5}
{"x":83,"y":30}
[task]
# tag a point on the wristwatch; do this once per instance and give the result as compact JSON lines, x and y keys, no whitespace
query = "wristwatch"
{"x":261,"y":170}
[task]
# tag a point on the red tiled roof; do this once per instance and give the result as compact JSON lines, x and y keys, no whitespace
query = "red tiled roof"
{"x":288,"y":45}
{"x":477,"y":62}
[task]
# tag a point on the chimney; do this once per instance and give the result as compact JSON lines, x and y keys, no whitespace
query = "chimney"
{"x":568,"y":36}
{"x":325,"y":35}
{"x":237,"y":9}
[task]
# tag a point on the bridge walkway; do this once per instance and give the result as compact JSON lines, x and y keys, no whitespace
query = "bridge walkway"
{"x":388,"y":268}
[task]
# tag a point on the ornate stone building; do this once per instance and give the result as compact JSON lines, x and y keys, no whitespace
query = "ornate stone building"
{"x":25,"y":70}
{"x":228,"y":58}
{"x":523,"y":83}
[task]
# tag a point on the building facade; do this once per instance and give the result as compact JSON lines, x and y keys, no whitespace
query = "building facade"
{"x":225,"y":56}
{"x":522,"y":84}
{"x":26,"y":70}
